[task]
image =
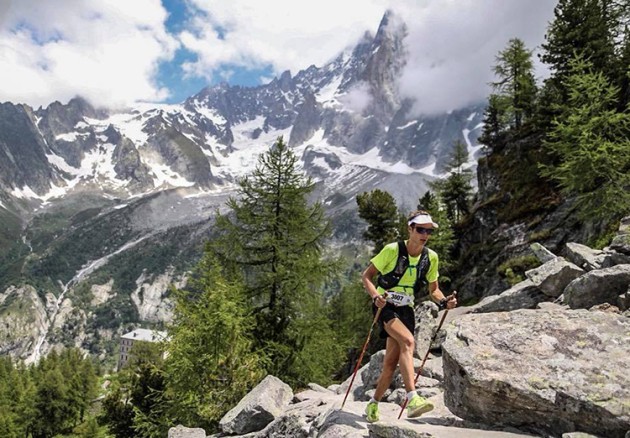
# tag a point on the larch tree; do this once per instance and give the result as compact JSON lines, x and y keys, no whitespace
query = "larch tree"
{"x":494,"y":129}
{"x":274,"y":235}
{"x":210,"y":365}
{"x":515,"y":86}
{"x":580,"y":26}
{"x":455,"y":191}
{"x":590,"y":141}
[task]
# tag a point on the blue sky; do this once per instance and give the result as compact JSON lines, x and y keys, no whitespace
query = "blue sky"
{"x":118,"y":52}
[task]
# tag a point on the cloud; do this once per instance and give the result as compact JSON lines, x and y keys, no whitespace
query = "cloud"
{"x":357,"y":98}
{"x":284,"y":35}
{"x":105,"y":51}
{"x":110,"y":51}
{"x":453,"y":46}
{"x":452,"y":43}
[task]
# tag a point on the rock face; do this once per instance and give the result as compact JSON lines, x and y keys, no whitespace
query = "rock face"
{"x":24,"y":318}
{"x":549,"y":371}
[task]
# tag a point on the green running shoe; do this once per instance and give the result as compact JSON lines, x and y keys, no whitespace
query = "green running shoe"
{"x":372,"y":412}
{"x":418,"y":406}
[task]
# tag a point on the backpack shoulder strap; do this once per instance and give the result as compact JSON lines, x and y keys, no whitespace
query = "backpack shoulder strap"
{"x":422,"y":268}
{"x":423,"y":264}
{"x":402,"y":263}
{"x":391,"y":279}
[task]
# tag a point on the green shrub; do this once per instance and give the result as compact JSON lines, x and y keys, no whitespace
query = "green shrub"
{"x":513,"y":270}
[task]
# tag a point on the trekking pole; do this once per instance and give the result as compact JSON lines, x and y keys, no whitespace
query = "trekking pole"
{"x":428,"y":350}
{"x":356,"y":368}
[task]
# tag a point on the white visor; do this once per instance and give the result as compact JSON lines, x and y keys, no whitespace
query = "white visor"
{"x":422,"y":219}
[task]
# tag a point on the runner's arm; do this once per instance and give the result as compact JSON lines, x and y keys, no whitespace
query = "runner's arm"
{"x":438,"y":296}
{"x":367,"y":276}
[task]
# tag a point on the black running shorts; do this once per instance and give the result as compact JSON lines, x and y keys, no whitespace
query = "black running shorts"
{"x":390,"y":311}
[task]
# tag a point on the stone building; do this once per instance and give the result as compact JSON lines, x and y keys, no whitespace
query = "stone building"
{"x":128,"y":340}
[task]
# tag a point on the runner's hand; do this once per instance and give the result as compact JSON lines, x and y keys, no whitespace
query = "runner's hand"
{"x":379,"y":301}
{"x":451,"y":302}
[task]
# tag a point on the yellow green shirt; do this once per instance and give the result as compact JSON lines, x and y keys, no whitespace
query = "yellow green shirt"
{"x":385,"y":261}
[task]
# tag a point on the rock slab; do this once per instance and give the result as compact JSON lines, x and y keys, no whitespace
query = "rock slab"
{"x":545,"y":371}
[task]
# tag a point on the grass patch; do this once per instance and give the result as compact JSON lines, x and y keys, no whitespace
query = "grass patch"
{"x":513,"y":270}
{"x":540,"y":235}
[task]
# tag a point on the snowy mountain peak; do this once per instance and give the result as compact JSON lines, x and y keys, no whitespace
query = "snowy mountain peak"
{"x":343,"y":119}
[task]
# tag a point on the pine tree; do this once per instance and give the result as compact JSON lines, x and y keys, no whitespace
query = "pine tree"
{"x":274,"y":237}
{"x":584,"y":27}
{"x":494,"y":129}
{"x":54,"y":413}
{"x":516,"y":86}
{"x":590,"y":140}
{"x":456,"y":190}
{"x":623,"y":73}
{"x":210,"y":365}
{"x":379,"y":210}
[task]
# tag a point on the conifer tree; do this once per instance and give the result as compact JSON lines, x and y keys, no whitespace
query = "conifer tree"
{"x":378,"y":208}
{"x":350,"y":312}
{"x":210,"y":365}
{"x":117,"y":412}
{"x":623,"y":74}
{"x":274,"y":236}
{"x":8,"y":414}
{"x":591,"y":142}
{"x":494,"y":125}
{"x":148,"y":391}
{"x":54,"y":413}
{"x":456,"y":190}
{"x":515,"y":87}
{"x":579,"y":26}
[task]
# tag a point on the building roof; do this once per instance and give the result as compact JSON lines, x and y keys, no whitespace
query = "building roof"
{"x":141,"y":334}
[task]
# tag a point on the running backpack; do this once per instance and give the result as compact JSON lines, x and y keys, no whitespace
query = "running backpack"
{"x":391,"y":279}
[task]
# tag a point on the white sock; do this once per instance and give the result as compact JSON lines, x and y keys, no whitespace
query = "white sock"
{"x":410,"y":395}
{"x":372,"y":400}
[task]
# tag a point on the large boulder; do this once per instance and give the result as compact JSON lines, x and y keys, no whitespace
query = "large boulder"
{"x":583,"y":256}
{"x":523,"y":295}
{"x":541,"y":370}
{"x":358,"y":387}
{"x":598,"y":287}
{"x":258,"y":408}
{"x":336,"y":423}
{"x":552,"y":277}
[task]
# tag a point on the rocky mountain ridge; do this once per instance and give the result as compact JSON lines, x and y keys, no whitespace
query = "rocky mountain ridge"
{"x":342,"y":111}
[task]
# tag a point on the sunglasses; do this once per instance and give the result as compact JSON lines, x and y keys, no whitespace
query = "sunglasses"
{"x":422,"y":230}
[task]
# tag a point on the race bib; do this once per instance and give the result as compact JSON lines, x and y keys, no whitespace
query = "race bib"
{"x":399,"y":299}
